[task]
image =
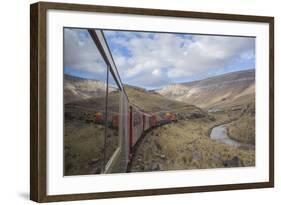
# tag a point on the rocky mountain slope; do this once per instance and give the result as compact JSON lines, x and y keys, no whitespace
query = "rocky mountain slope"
{"x":76,"y":89}
{"x":83,"y":98}
{"x":84,"y":137}
{"x":154,"y":102}
{"x":219,"y":91}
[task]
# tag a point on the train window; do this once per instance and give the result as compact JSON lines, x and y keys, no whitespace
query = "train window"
{"x":113,"y":117}
{"x":85,"y":77}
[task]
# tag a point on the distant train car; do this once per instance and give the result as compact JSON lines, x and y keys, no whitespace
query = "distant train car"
{"x":115,"y":121}
{"x":129,"y":121}
{"x":137,"y":122}
{"x":99,"y":118}
{"x":170,"y":116}
{"x":146,"y":121}
{"x":153,"y":121}
{"x":137,"y":125}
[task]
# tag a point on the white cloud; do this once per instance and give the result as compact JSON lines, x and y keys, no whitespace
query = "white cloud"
{"x":173,"y":56}
{"x":154,"y":59}
{"x":80,"y":52}
{"x":156,"y":72}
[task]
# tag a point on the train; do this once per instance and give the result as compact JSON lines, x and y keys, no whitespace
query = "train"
{"x":140,"y":122}
{"x":137,"y":124}
{"x":126,"y":121}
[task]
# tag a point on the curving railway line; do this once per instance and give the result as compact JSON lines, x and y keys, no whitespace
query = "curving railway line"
{"x":130,"y":120}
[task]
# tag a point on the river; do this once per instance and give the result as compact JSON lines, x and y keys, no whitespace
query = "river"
{"x":219,"y":133}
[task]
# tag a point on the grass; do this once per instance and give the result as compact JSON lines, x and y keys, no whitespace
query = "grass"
{"x":84,"y":140}
{"x":186,"y":145}
{"x":243,"y":129}
{"x":84,"y":147}
{"x":177,"y":146}
{"x":154,"y":102}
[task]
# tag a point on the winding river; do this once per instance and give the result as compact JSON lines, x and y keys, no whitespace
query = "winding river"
{"x":219,"y":133}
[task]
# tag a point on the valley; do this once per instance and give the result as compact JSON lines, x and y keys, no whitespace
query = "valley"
{"x":223,"y":91}
{"x":227,"y":99}
{"x":187,"y":145}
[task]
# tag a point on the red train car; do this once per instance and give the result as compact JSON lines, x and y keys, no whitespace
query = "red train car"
{"x":115,"y":121}
{"x":153,"y":121}
{"x":139,"y":122}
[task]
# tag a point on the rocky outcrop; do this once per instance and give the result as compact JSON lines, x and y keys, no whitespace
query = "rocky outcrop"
{"x":218,"y":91}
{"x":234,"y":162}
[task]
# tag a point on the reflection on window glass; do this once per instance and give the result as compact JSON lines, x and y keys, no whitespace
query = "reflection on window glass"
{"x":112,"y":136}
{"x":85,"y":75}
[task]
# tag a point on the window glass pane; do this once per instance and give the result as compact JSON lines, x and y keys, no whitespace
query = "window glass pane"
{"x":85,"y":75}
{"x":112,"y":136}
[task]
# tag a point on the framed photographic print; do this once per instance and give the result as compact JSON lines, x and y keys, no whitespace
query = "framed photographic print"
{"x":134,"y":102}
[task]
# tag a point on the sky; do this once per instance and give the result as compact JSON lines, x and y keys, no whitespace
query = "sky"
{"x":152,"y":60}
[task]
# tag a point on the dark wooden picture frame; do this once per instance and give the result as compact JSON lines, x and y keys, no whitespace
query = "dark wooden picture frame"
{"x":38,"y":100}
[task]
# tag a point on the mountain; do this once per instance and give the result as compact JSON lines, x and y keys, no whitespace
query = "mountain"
{"x":76,"y":89}
{"x":84,"y":97}
{"x":225,"y":90}
{"x":154,"y":102}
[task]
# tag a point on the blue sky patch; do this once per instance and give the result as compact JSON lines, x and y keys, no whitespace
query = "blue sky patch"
{"x":152,"y":60}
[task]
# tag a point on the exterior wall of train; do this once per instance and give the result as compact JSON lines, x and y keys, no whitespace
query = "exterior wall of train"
{"x":120,"y":158}
{"x":116,"y":124}
{"x":117,"y":145}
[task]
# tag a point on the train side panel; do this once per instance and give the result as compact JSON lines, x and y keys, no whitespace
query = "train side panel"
{"x":146,"y":122}
{"x":137,"y":125}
